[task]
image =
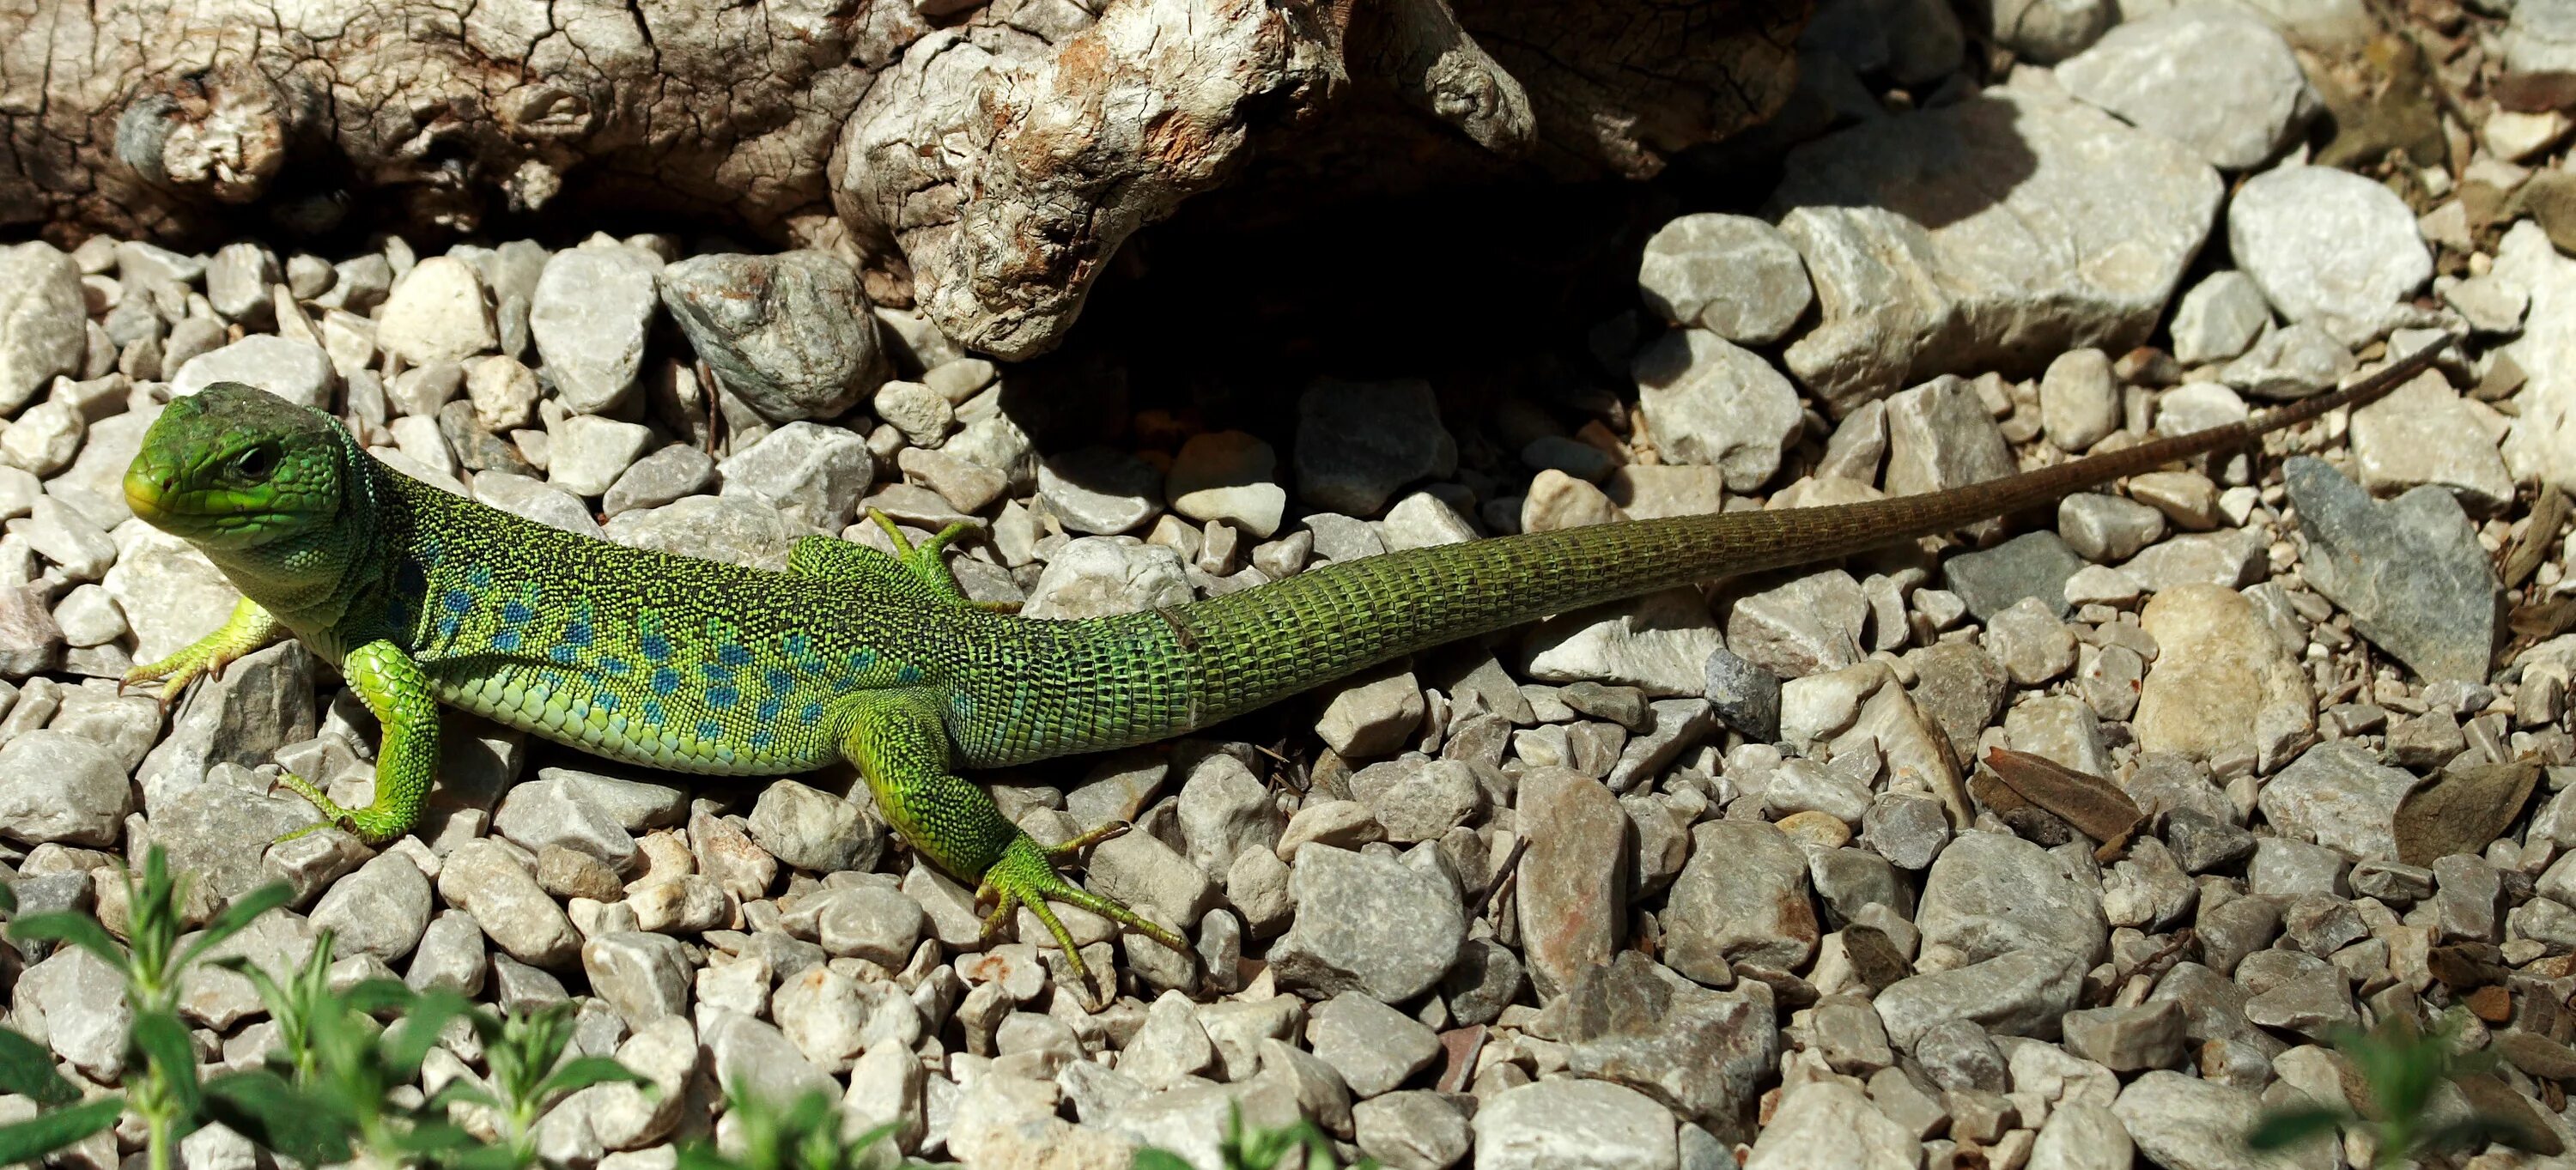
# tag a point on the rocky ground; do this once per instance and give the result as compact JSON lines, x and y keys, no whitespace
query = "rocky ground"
{"x":1708,"y":877}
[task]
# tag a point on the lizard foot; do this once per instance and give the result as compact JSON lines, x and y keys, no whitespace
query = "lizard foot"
{"x":373,"y":825}
{"x":248,"y":629}
{"x":1026,"y":876}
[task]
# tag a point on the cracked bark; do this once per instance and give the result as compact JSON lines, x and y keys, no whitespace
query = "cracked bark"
{"x":982,"y":160}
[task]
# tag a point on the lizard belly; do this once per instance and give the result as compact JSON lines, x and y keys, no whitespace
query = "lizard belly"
{"x":675,"y":731}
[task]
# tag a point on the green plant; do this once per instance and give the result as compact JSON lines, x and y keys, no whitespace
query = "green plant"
{"x":161,"y":1084}
{"x":529,"y":1075}
{"x":2401,"y":1067}
{"x":801,"y":1135}
{"x":27,"y":1069}
{"x":1260,"y":1148}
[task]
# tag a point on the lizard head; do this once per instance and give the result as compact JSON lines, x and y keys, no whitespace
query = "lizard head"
{"x":233,"y":469}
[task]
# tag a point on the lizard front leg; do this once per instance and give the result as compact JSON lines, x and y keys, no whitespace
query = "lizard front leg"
{"x":395,"y":690}
{"x":900,"y":748}
{"x":248,"y":629}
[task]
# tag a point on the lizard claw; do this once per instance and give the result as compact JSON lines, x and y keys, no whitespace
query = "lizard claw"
{"x":1026,"y":876}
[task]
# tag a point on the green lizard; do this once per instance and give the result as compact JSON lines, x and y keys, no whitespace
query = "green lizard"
{"x":423,"y":597}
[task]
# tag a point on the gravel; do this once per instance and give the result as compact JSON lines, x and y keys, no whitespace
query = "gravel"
{"x":1705,"y":878}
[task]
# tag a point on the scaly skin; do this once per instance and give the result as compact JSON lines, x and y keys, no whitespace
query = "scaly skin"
{"x":425,"y":598}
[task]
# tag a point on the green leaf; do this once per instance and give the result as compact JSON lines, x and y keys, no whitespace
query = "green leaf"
{"x":27,"y":1068}
{"x":407,"y":1043}
{"x":30,"y":1140}
{"x":79,"y":930}
{"x":581,"y":1072}
{"x":374,"y":996}
{"x":261,"y":1106}
{"x":164,"y":1039}
{"x":2283,"y":1128}
{"x":482,"y":1157}
{"x":462,"y":1091}
{"x":1149,"y":1158}
{"x":236,"y":916}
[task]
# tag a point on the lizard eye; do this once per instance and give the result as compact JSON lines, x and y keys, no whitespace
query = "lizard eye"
{"x":255,"y":463}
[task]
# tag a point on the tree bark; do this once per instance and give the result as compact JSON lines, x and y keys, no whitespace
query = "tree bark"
{"x":981,"y":160}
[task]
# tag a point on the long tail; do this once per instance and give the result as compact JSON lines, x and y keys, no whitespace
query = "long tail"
{"x":1196,"y":664}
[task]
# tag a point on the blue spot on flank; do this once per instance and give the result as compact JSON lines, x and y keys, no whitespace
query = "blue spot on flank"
{"x":457,"y":601}
{"x":665,"y":680}
{"x":653,"y":712}
{"x":447,"y":627}
{"x":779,"y":680}
{"x":615,"y":666}
{"x":562,"y":655}
{"x":577,"y":634}
{"x":480,"y":576}
{"x":432,"y":552}
{"x":715,"y":673}
{"x":606,"y":702}
{"x":811,"y":712}
{"x":506,"y":641}
{"x":861,"y":660}
{"x":655,"y":647}
{"x":710,"y":729}
{"x":769,"y":707}
{"x":516,"y":613}
{"x":797,"y":645}
{"x":723,"y":698}
{"x":733,"y":654}
{"x":761,"y":739}
{"x":908,"y":675}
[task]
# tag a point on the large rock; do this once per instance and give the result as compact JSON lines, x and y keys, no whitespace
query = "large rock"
{"x":1574,"y":1125}
{"x":2218,"y":80}
{"x":2222,"y":683}
{"x":2410,"y":571}
{"x":789,"y":334}
{"x":1992,"y":894}
{"x":1366,"y":923}
{"x":2328,"y":247}
{"x":1709,"y":401}
{"x":1921,"y":267}
{"x":42,"y":315}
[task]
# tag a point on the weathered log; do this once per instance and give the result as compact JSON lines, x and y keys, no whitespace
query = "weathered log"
{"x":983,"y":161}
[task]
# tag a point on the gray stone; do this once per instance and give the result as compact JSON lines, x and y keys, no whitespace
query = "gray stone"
{"x":1733,"y":275}
{"x":532,"y":499}
{"x":1911,"y":287}
{"x":1709,"y":402}
{"x":1097,"y":576}
{"x":675,"y":471}
{"x":1357,"y":443}
{"x":643,"y":977}
{"x":586,"y":453}
{"x":814,"y":473}
{"x":589,"y":315}
{"x":1992,"y":894}
{"x":297,"y":371}
{"x":1745,"y":696}
{"x":1414,"y":1130}
{"x":2104,"y":529}
{"x":2328,"y":248}
{"x":483,"y":879}
{"x":815,"y":830}
{"x":1701,"y":1053}
{"x":2425,"y":433}
{"x":2216,"y":79}
{"x":2410,"y":572}
{"x":380,"y":910}
{"x":2219,"y":318}
{"x":2034,"y":564}
{"x":55,"y":786}
{"x":1807,"y":625}
{"x":1940,"y":436}
{"x":1366,"y":923}
{"x":437,"y":312}
{"x":1743,"y":898}
{"x":1100,"y":491}
{"x":42,"y":314}
{"x":1374,"y":1047}
{"x":2339,"y":795}
{"x":790,"y":334}
{"x":1552,"y":1124}
{"x":738,"y":529}
{"x":2022,"y":993}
